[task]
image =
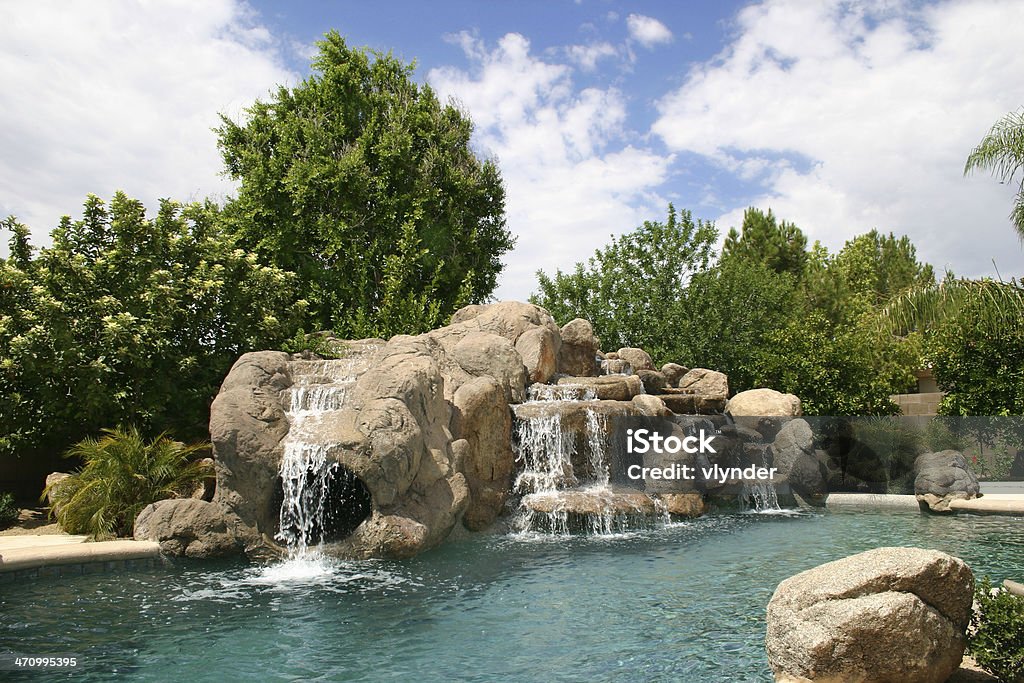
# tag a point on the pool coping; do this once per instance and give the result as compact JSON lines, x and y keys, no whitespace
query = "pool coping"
{"x":1011,"y":504}
{"x":29,"y":552}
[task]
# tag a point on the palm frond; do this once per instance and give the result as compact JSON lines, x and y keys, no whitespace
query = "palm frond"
{"x":1001,"y":303}
{"x":121,"y":474}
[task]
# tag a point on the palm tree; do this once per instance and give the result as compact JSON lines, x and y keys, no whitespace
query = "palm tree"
{"x":1002,"y":152}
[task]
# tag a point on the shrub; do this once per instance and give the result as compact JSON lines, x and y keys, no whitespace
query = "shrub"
{"x":8,"y":510}
{"x":997,"y":643}
{"x":122,"y":474}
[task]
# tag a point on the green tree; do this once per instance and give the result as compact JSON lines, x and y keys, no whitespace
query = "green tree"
{"x":727,"y":316}
{"x":364,"y":185}
{"x":1002,"y":152}
{"x":129,"y":320}
{"x":780,"y":246}
{"x":632,"y":290}
{"x":978,"y":365}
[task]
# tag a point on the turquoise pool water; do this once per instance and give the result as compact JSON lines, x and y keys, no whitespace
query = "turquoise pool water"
{"x":681,"y":603}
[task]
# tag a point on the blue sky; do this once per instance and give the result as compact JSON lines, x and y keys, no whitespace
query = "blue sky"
{"x":841,"y":116}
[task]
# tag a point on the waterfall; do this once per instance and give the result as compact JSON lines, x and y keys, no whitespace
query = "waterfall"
{"x":760,"y":496}
{"x":563,"y":481}
{"x":318,"y":495}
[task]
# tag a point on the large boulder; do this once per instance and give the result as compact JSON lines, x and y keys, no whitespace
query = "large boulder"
{"x":705,"y":382}
{"x":797,"y":460}
{"x":539,"y":349}
{"x":481,"y":427}
{"x":638,"y":359}
{"x":651,"y":406}
{"x":580,"y":346}
{"x":190,"y":527}
{"x":943,"y":477}
{"x":673,"y":373}
{"x":653,"y":381}
{"x":247,"y":425}
{"x":889,"y":614}
{"x":485,"y":353}
{"x":763,"y":403}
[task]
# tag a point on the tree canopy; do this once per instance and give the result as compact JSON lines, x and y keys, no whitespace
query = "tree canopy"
{"x":767,"y":312}
{"x":779,"y":246}
{"x":630,"y":289}
{"x":126,"y":319}
{"x":360,"y":182}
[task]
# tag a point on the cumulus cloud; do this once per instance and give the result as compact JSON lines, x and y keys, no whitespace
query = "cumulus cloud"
{"x":849,"y":116}
{"x":587,"y":56}
{"x":647,"y":31}
{"x":572,"y":178}
{"x":110,"y":95}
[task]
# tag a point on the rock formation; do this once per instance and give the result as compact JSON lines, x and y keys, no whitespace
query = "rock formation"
{"x":942,"y":477}
{"x":578,"y":354}
{"x":889,"y":614}
{"x":797,"y":460}
{"x":409,"y":438}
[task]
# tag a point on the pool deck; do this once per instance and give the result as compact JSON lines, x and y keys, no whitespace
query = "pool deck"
{"x":33,"y":552}
{"x":988,"y":504}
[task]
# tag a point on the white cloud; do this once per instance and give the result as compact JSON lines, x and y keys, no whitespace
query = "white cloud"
{"x":570,"y":177}
{"x":109,"y":95}
{"x":648,"y":31}
{"x":860,"y":115}
{"x":587,"y":56}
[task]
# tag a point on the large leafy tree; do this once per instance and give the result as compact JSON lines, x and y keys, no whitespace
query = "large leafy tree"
{"x":127,"y":319}
{"x":1001,"y":151}
{"x":362,"y":183}
{"x":659,"y":287}
{"x":632,"y":289}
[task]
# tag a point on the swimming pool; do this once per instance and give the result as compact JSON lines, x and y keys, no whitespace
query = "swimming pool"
{"x":684,"y":602}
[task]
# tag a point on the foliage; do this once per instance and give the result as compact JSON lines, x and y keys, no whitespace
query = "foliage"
{"x":659,"y":288}
{"x":317,"y":343}
{"x":1002,"y":152}
{"x":129,"y":319}
{"x":980,"y":367}
{"x":122,"y":474}
{"x":998,"y":305}
{"x":632,"y":289}
{"x":364,"y":185}
{"x":996,"y":638}
{"x":9,"y":512}
{"x":782,"y":247}
{"x":867,"y":272}
{"x":728,"y":315}
{"x":837,"y":370}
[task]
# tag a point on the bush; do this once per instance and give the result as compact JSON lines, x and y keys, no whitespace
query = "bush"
{"x":997,"y":643}
{"x":122,"y":474}
{"x":8,"y":510}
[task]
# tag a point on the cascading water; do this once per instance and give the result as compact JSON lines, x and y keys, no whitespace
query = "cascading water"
{"x":320,"y":498}
{"x":564,"y":474}
{"x":760,"y":496}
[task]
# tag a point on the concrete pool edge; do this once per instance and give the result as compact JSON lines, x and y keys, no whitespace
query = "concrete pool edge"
{"x":28,"y":553}
{"x":1011,"y":504}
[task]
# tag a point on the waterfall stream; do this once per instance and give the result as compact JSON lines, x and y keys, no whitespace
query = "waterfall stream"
{"x":563,"y":479}
{"x":320,"y":498}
